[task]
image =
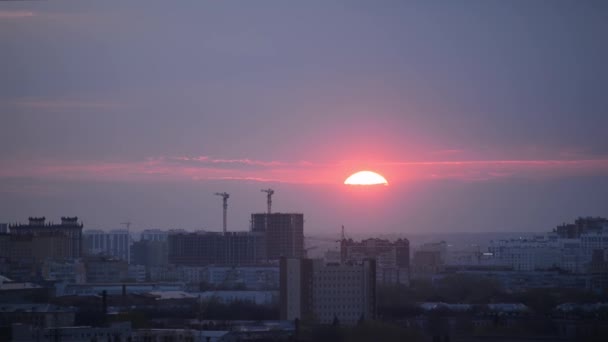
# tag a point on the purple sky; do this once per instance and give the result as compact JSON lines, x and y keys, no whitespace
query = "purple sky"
{"x":482,"y":115}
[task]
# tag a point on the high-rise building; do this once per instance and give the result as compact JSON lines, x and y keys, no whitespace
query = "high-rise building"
{"x":39,"y":247}
{"x":284,"y":234}
{"x":69,"y":227}
{"x":215,"y":248}
{"x":115,"y":243}
{"x":313,"y":290}
{"x":392,"y":258}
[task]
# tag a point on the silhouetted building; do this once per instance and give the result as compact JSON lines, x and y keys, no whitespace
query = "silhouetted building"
{"x":313,"y":290}
{"x":580,"y":226}
{"x":38,"y":247}
{"x":69,"y":227}
{"x":215,"y":248}
{"x":392,"y":258}
{"x":284,"y":234}
{"x":3,"y":228}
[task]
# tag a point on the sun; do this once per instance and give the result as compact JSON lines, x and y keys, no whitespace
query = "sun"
{"x":365,"y":178}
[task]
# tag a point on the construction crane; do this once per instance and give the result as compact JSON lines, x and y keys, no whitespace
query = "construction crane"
{"x":225,"y":197}
{"x":269,"y":193}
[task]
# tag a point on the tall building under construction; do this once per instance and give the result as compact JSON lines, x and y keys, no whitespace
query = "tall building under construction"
{"x":284,"y":234}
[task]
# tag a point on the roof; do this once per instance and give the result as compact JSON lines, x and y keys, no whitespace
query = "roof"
{"x":34,"y":308}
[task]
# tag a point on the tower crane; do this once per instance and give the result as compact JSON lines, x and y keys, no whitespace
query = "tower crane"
{"x":225,"y":197}
{"x":269,"y":193}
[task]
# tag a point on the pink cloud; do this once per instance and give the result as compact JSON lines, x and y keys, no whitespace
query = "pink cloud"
{"x":207,"y":168}
{"x":15,"y":14}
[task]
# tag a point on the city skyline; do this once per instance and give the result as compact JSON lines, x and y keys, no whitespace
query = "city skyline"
{"x":485,"y":117}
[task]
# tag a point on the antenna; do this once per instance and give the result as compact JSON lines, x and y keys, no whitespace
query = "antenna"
{"x":269,"y":193}
{"x":225,"y":197}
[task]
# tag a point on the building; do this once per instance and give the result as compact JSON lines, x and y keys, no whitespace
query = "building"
{"x":247,"y":277}
{"x":392,"y":258}
{"x":215,"y":248}
{"x":100,"y":269}
{"x":117,"y":332}
{"x":429,"y":258}
{"x":3,"y":228}
{"x":313,"y":290}
{"x":72,"y":271}
{"x":150,"y":253}
{"x":592,"y":242}
{"x":284,"y":234}
{"x":527,"y":254}
{"x":115,"y":243}
{"x":580,"y":226}
{"x":137,"y":273}
{"x":69,"y":227}
{"x":40,"y":246}
{"x":36,"y":315}
{"x":164,"y":335}
{"x":154,"y":235}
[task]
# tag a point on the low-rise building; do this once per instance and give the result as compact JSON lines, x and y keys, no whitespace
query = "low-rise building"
{"x":101,"y":269}
{"x":36,"y":315}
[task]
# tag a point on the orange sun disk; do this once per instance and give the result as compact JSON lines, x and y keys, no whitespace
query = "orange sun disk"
{"x":365,"y":178}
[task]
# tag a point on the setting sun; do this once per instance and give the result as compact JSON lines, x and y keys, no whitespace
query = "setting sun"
{"x":365,"y":178}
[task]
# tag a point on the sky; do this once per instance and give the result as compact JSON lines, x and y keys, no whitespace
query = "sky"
{"x":484,"y":116}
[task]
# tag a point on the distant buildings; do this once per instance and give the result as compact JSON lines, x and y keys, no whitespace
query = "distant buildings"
{"x":284,"y":234}
{"x":429,"y":259}
{"x":392,"y":258}
{"x":215,"y":248}
{"x":154,"y":235}
{"x":115,"y":243}
{"x":580,"y":226}
{"x":311,"y":289}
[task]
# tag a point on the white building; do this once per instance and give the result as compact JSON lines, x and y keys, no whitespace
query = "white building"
{"x":530,"y":254}
{"x":115,"y":243}
{"x":593,"y":241}
{"x":312,"y":289}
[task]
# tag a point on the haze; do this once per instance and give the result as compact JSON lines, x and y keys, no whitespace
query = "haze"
{"x":483,"y":116}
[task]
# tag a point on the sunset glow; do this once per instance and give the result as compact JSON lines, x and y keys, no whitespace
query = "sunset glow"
{"x":365,"y":178}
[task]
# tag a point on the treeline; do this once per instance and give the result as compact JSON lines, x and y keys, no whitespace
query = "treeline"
{"x":397,"y":301}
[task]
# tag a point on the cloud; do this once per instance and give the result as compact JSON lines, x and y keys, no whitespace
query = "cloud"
{"x":205,"y":168}
{"x":4,"y":14}
{"x":65,"y":104}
